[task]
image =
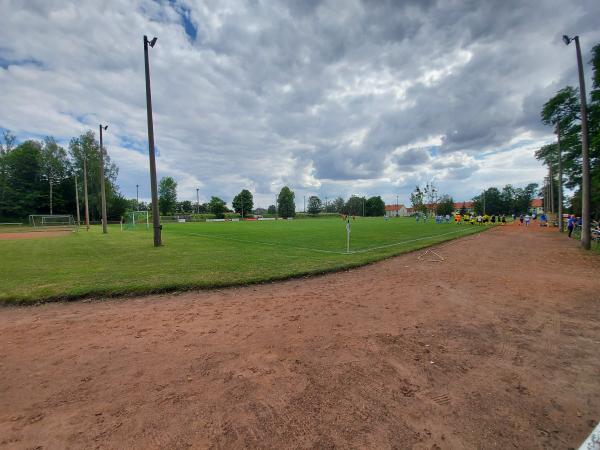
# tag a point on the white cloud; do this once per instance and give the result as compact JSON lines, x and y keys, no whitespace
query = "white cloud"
{"x":327,"y":97}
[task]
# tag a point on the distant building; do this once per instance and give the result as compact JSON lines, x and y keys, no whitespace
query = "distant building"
{"x":396,"y":211}
{"x":537,"y":205}
{"x":468,"y":206}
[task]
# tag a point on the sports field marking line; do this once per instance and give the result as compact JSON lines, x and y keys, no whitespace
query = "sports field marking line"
{"x":365,"y":250}
{"x":405,"y":242}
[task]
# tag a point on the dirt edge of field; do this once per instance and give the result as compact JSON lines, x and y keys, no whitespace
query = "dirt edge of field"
{"x":495,"y":347}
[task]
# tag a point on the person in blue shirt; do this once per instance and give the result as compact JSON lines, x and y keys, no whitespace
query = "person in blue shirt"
{"x":571,"y":224}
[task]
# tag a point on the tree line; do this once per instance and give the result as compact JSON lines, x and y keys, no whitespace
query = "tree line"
{"x":41,"y":177}
{"x":509,"y":200}
{"x":562,"y":112}
{"x":243,"y":204}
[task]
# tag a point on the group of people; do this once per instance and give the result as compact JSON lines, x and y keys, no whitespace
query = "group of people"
{"x":480,"y":219}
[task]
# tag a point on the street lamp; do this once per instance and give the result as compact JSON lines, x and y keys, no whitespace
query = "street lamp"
{"x":137,"y":197}
{"x":102,"y":188}
{"x":153,"y":184}
{"x":585,"y":153}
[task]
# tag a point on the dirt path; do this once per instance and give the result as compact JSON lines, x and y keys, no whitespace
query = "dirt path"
{"x":33,"y":235}
{"x":497,"y":347}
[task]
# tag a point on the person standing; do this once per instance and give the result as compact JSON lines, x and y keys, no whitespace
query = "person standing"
{"x":527,"y":219}
{"x":571,"y":224}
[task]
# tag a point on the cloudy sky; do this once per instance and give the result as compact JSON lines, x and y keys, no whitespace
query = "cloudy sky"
{"x":329,"y":97}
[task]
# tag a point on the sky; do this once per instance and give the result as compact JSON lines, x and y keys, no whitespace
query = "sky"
{"x":330,"y":98}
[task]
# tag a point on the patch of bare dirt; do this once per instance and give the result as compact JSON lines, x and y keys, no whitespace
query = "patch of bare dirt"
{"x":495,"y":347}
{"x":33,"y":235}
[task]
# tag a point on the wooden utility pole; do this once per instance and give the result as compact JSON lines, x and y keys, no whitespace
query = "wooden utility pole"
{"x":85,"y":195}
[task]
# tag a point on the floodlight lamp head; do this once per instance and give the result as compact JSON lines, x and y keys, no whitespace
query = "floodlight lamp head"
{"x":152,"y":42}
{"x":105,"y":127}
{"x":566,"y":39}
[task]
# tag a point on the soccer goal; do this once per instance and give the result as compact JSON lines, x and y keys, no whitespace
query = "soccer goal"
{"x":54,"y":222}
{"x":136,"y":220}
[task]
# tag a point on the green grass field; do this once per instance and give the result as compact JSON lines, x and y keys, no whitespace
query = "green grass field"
{"x":201,"y":255}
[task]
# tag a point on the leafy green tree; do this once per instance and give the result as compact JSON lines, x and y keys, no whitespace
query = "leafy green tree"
{"x":375,"y":207}
{"x":117,"y":205}
{"x":6,"y":146}
{"x":335,"y":206}
{"x":314,"y":205}
{"x":24,"y":186}
{"x":491,"y":204}
{"x":243,"y":203}
{"x":86,"y":147}
{"x":285,"y":203}
{"x":54,"y":165}
{"x":272,"y":209}
{"x":523,"y":198}
{"x":217,"y":207}
{"x":417,"y":198}
{"x":355,"y":206}
{"x":445,"y":206}
{"x":167,"y":196}
{"x":185,"y":207}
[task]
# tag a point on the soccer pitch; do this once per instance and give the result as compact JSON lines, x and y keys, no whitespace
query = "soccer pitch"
{"x":202,"y":255}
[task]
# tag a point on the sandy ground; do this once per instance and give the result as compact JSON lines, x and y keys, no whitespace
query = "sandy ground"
{"x":33,"y":234}
{"x":496,"y":347}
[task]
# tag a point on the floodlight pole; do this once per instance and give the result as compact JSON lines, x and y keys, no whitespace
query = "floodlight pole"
{"x":137,"y":197}
{"x":77,"y":202}
{"x":85,"y":195}
{"x":197,"y":200}
{"x":560,"y":188}
{"x":585,"y":152}
{"x":153,"y":184}
{"x":102,"y":187}
{"x":397,"y":210}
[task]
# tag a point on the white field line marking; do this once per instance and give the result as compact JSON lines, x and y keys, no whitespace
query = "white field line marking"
{"x":406,"y":242}
{"x":364,"y":250}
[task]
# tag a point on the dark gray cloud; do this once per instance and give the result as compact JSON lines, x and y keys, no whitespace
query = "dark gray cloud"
{"x":329,"y":96}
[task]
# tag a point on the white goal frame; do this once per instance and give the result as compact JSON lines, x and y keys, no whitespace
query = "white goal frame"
{"x":130,"y":220}
{"x":52,"y":221}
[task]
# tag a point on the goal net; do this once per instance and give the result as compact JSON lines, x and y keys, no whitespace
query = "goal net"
{"x":55,"y":221}
{"x":136,"y":220}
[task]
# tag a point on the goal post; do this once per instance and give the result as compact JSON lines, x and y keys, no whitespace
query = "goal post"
{"x":52,"y":222}
{"x":136,"y":220}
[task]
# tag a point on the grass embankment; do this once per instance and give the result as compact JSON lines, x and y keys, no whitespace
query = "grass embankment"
{"x":201,"y":255}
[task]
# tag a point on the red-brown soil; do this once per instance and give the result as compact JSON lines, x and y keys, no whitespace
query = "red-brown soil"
{"x":495,"y":347}
{"x":33,"y":235}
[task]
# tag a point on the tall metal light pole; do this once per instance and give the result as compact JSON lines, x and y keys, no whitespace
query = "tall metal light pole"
{"x":153,"y":184}
{"x":137,"y":197}
{"x":585,"y":152}
{"x":102,"y":187}
{"x":397,"y":211}
{"x":197,"y":200}
{"x":560,"y":187}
